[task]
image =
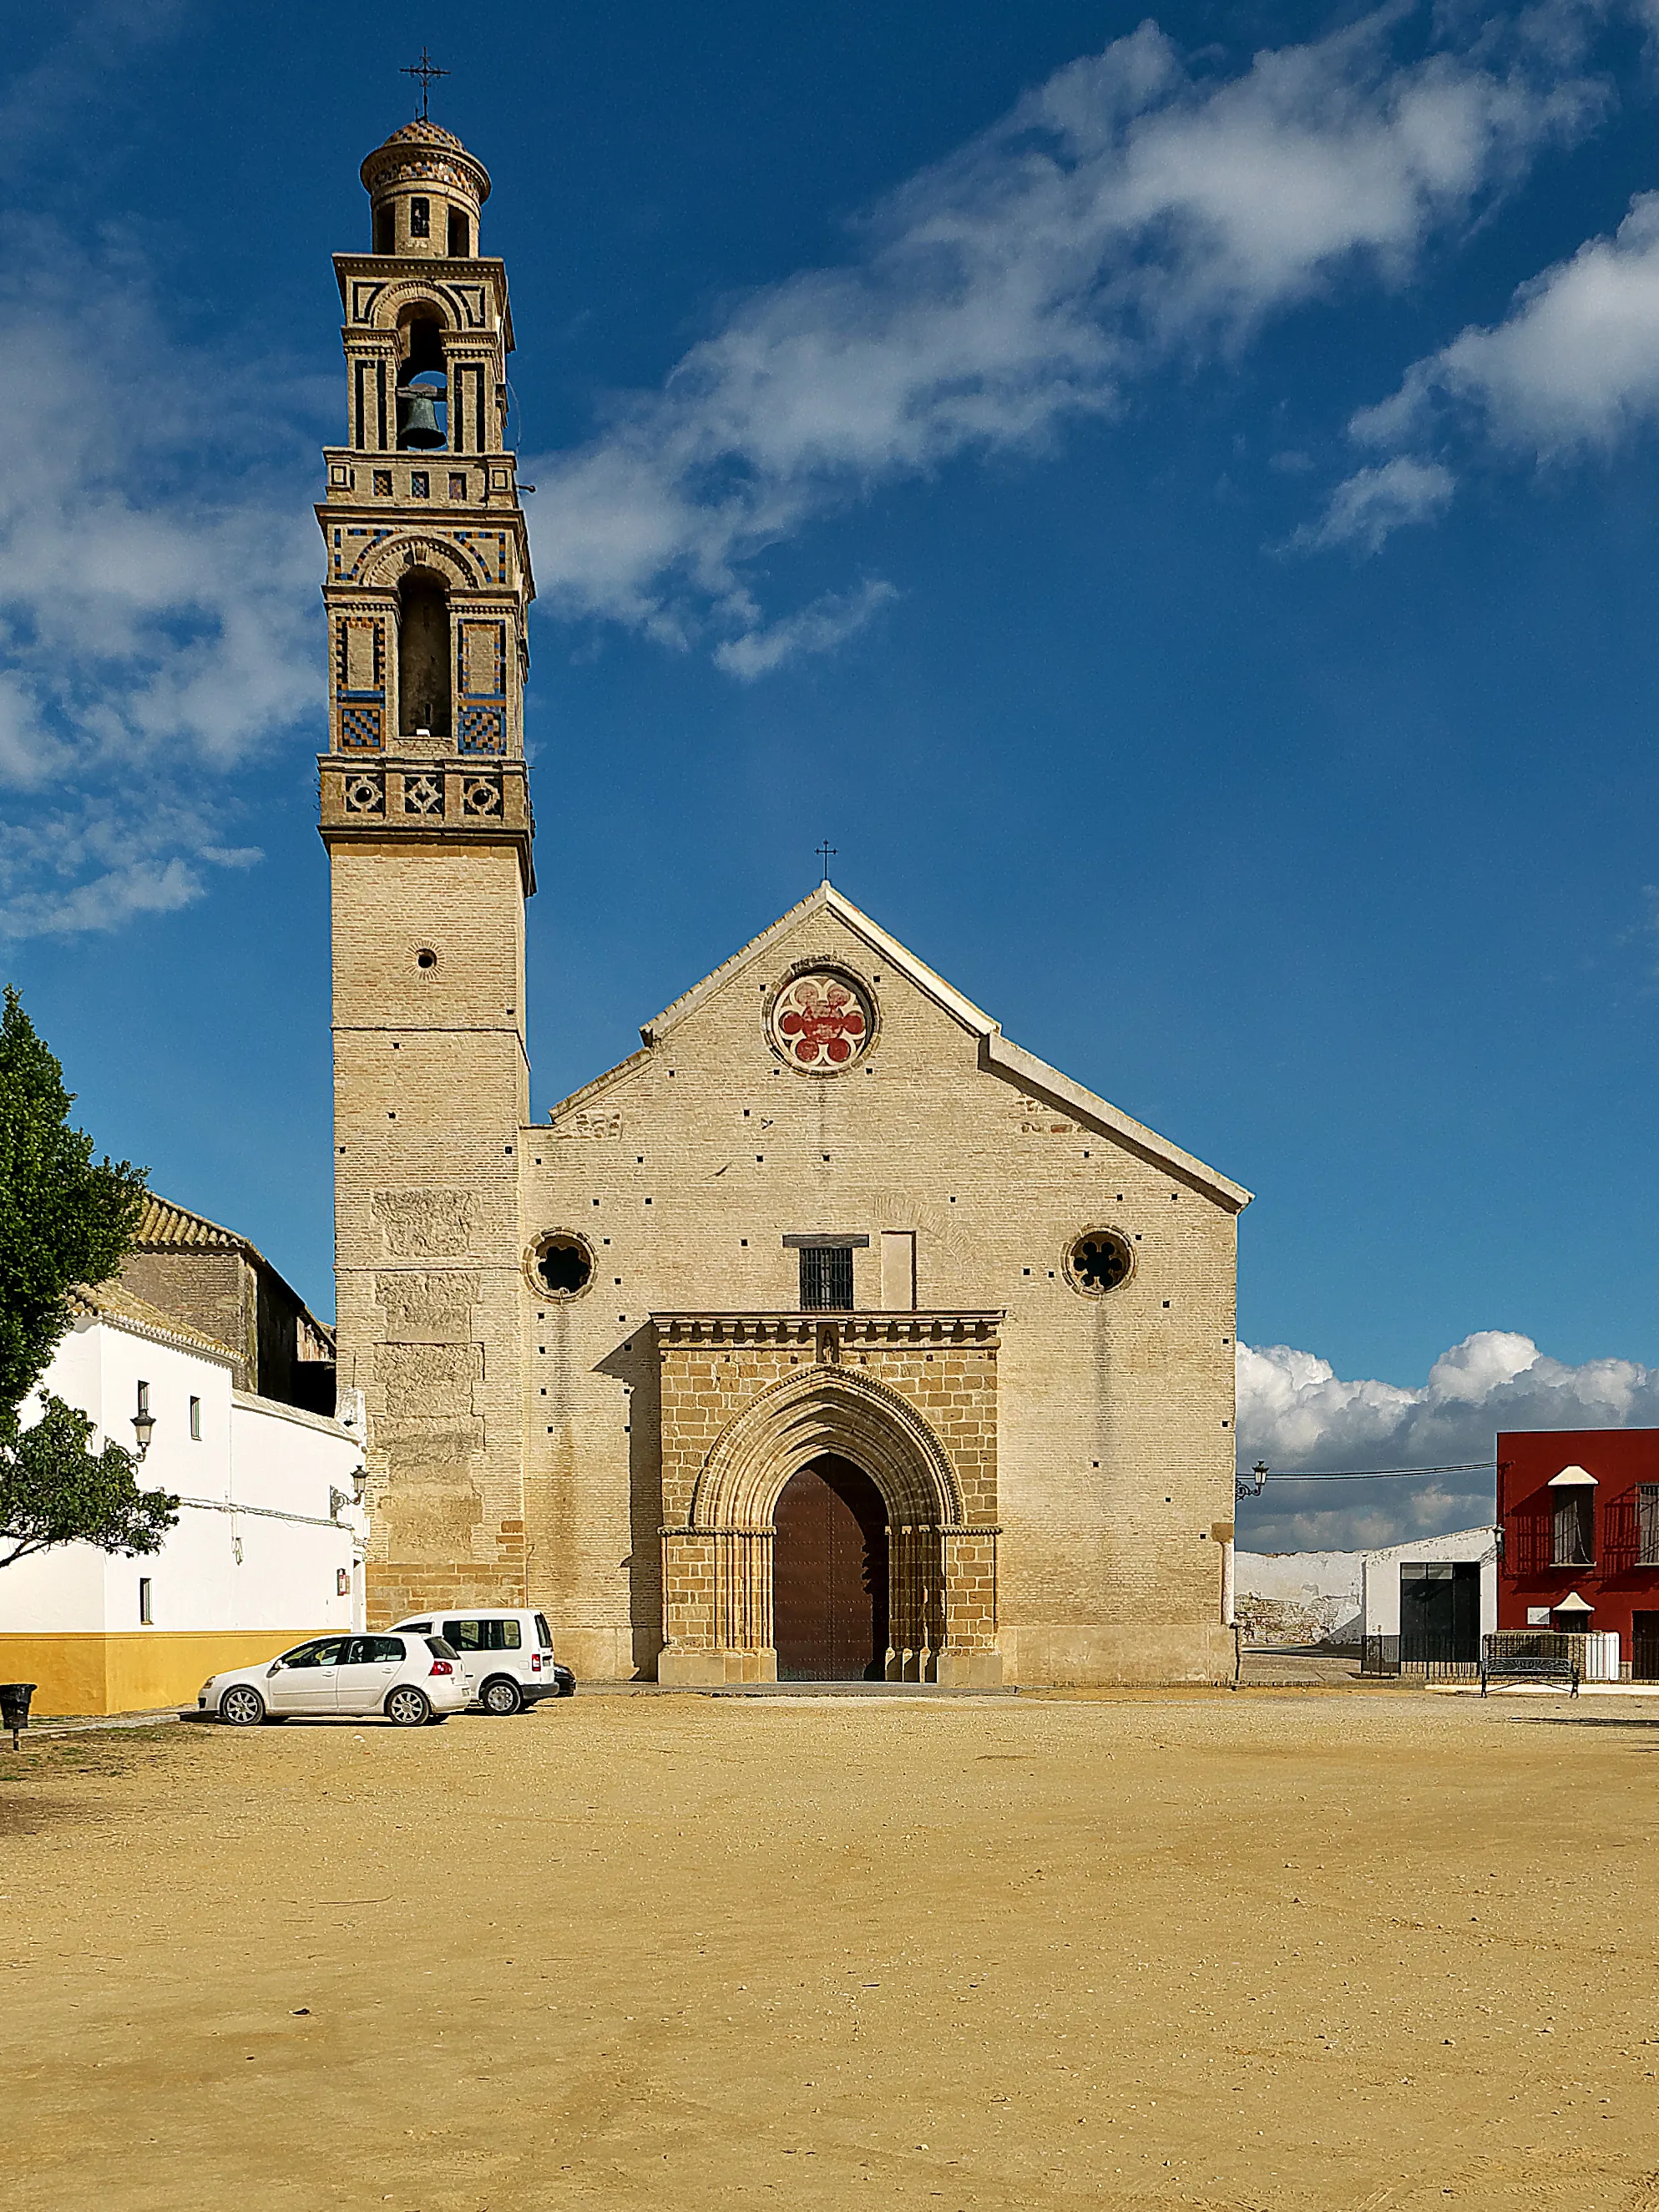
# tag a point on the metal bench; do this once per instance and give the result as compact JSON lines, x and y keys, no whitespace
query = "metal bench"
{"x":1530,"y":1667}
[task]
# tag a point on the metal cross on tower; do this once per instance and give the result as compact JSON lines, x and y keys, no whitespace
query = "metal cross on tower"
{"x":826,"y":852}
{"x":427,"y":70}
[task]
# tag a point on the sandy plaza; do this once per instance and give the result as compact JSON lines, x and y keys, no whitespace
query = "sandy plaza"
{"x":1286,"y":1950}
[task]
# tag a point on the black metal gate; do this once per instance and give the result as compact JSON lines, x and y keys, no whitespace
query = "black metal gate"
{"x":1440,"y":1612}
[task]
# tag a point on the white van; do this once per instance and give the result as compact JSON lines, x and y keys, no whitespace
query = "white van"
{"x":506,"y":1655}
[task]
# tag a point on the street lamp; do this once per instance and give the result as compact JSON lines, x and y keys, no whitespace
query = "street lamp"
{"x":143,"y":1427}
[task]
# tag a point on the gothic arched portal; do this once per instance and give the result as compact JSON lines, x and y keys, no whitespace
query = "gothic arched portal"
{"x":826,"y":1538}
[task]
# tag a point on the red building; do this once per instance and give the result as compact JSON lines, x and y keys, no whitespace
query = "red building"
{"x":1579,"y":1510}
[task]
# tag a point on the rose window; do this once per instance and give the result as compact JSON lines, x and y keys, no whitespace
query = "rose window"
{"x":1099,"y":1261}
{"x":822,"y":1022}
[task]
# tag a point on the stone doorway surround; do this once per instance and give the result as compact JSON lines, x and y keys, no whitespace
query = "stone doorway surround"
{"x":747,"y":1399}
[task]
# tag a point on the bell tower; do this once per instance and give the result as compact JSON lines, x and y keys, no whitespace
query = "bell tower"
{"x":426,"y":816}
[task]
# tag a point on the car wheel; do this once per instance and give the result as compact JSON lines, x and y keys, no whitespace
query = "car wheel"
{"x":408,"y":1707}
{"x":501,"y":1697}
{"x":243,"y":1707}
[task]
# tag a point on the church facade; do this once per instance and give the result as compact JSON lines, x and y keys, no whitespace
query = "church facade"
{"x":830,"y":1335}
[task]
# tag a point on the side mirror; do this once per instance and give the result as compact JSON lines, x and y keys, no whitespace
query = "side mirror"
{"x":275,"y":1668}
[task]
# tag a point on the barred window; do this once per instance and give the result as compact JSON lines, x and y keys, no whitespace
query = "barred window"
{"x":1647,"y":1525}
{"x":826,"y":1279}
{"x":1575,"y":1529}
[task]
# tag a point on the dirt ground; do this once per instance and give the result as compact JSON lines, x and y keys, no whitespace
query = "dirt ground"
{"x":1317,"y":1951}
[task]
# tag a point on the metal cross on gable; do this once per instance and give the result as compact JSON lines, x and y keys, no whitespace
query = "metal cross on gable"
{"x":826,"y":852}
{"x":428,"y":72}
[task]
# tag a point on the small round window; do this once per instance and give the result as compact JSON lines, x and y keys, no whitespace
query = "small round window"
{"x":1099,"y":1261}
{"x":426,"y":957}
{"x":561,"y":1265}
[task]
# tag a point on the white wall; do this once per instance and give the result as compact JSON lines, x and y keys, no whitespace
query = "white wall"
{"x":1381,"y":1576}
{"x":1306,"y":1596}
{"x":252,"y":1454}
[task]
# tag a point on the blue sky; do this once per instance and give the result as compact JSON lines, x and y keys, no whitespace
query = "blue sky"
{"x":1172,"y":503}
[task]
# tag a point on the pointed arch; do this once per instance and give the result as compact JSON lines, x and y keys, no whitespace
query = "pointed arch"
{"x":827,"y":1409}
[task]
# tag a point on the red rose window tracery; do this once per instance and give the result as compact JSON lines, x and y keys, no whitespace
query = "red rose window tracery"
{"x":821,"y":1022}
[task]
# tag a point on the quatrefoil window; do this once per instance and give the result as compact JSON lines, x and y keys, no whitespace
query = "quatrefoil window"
{"x":422,"y":794}
{"x":482,"y":795}
{"x":364,"y":795}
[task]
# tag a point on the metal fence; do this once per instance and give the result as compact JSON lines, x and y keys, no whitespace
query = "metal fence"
{"x":1422,"y":1659}
{"x":1425,"y":1659}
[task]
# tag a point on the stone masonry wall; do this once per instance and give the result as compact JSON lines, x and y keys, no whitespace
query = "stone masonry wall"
{"x":685,"y":1169}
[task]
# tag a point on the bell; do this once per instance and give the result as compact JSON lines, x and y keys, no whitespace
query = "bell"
{"x":418,"y":419}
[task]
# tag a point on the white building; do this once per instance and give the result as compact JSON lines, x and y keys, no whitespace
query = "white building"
{"x":1438,"y":1593}
{"x":268,"y":1544}
{"x":1441,"y":1592}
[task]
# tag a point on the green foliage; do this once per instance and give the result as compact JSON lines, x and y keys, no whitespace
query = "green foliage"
{"x":64,"y":1217}
{"x":55,"y":1490}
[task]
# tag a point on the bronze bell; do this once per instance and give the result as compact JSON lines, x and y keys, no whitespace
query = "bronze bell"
{"x":417,"y":418}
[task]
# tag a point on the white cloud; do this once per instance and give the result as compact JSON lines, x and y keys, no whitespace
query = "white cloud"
{"x":157,"y":587}
{"x":1295,"y":1412}
{"x":1373,"y":502}
{"x":119,"y":850}
{"x":817,"y":628}
{"x":1573,"y":367}
{"x":1131,"y":212}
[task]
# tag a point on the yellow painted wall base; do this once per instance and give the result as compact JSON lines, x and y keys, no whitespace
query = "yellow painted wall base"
{"x":132,"y":1674}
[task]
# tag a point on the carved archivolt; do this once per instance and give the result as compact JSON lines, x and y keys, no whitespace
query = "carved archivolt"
{"x":395,"y":297}
{"x":394,"y":556}
{"x":826,"y":1410}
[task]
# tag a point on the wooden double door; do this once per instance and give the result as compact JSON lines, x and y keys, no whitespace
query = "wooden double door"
{"x":829,"y":1575}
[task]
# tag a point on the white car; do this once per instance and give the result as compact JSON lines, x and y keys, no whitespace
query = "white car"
{"x":507,"y":1654}
{"x":412,"y":1679}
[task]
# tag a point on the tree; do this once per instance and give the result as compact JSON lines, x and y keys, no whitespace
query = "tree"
{"x":55,"y":1489}
{"x":64,"y":1218}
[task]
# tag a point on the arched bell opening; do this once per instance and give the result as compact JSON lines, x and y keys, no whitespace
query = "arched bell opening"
{"x":424,"y":654}
{"x":423,"y":383}
{"x":829,"y":1575}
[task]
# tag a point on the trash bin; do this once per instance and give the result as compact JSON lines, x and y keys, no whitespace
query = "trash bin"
{"x":15,"y":1707}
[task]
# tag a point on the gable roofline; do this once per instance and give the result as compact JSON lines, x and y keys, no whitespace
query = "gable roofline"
{"x":164,"y":1226}
{"x":825,"y":898}
{"x":996,"y":1052}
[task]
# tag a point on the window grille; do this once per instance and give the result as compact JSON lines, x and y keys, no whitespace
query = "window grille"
{"x":1647,"y":1525}
{"x":1575,"y":1529}
{"x":826,"y":1279}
